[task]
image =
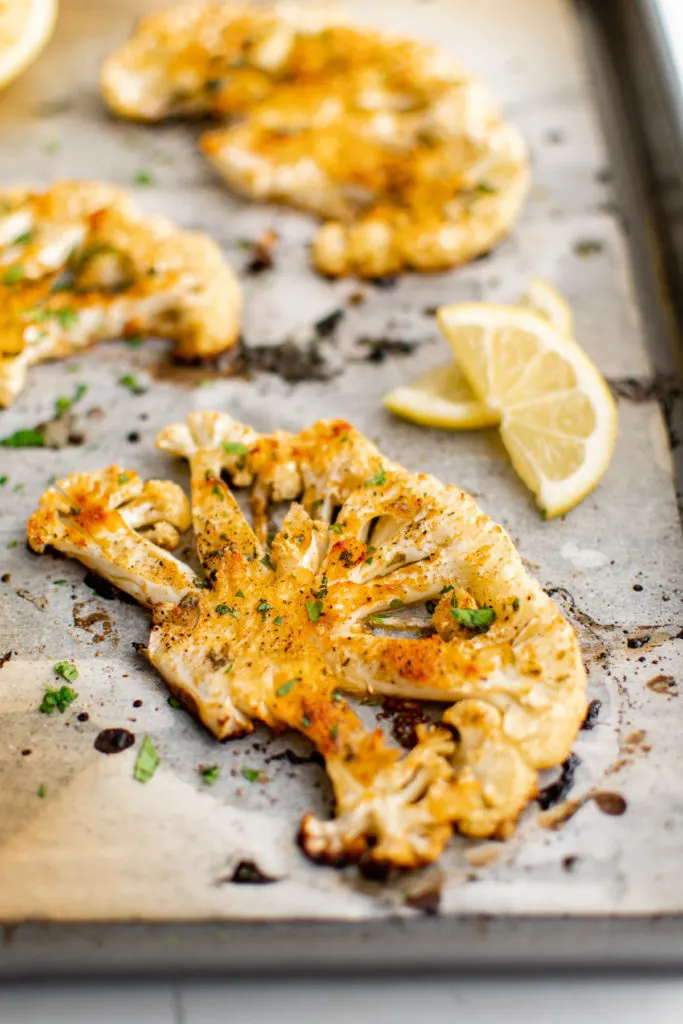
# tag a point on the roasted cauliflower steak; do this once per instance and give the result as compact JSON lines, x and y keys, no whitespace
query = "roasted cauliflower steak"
{"x":407,"y":158}
{"x":79,"y":263}
{"x":377,"y":581}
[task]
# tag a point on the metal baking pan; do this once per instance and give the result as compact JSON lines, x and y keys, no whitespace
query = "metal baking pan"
{"x":104,"y":875}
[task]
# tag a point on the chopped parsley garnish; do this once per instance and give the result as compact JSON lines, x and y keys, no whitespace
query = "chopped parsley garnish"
{"x":283,"y":690}
{"x":217,"y":490}
{"x":485,"y":188}
{"x":377,"y":479}
{"x":396,"y":603}
{"x":135,"y":340}
{"x":515,"y":604}
{"x":263,"y":608}
{"x":370,"y":560}
{"x":478,"y":619}
{"x":447,"y":589}
{"x":12,"y":544}
{"x":24,"y":439}
{"x":334,"y":732}
{"x":322,"y":592}
{"x":130,"y":382}
{"x":56,"y":583}
{"x":143,"y":178}
{"x":13,"y":275}
{"x":60,"y":699}
{"x":235,"y":448}
{"x":229,"y":667}
{"x":3,"y":479}
{"x":267,"y":562}
{"x":337,"y":696}
{"x":336,"y":527}
{"x":66,"y":316}
{"x":314,"y":609}
{"x":41,"y":790}
{"x":278,"y":620}
{"x":226,"y":609}
{"x":63,"y":404}
{"x":24,"y":239}
{"x":239,"y":594}
{"x":251,"y":774}
{"x":306,"y":722}
{"x":67,"y":671}
{"x":209,"y":773}
{"x":147,"y":761}
{"x":173,"y":702}
{"x":123,"y":478}
{"x":377,"y":619}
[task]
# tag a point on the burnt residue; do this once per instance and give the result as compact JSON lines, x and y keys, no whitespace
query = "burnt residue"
{"x":592,"y":715}
{"x":97,"y":622}
{"x":4,"y":658}
{"x":558,"y":790}
{"x":6,"y":577}
{"x":428,"y":901}
{"x":328,"y":324}
{"x":83,"y":716}
{"x":36,"y":600}
{"x":315,"y":757}
{"x":248,"y":872}
{"x":61,"y":431}
{"x":404,"y":716}
{"x":262,"y":253}
{"x":106,"y":590}
{"x":377,"y":349}
{"x":303,"y":357}
{"x":663,"y":684}
{"x":113,"y":741}
{"x":587,"y":247}
{"x":597,"y":638}
{"x":192,"y":373}
{"x":386,"y":283}
{"x":664,"y":389}
{"x":610,"y":803}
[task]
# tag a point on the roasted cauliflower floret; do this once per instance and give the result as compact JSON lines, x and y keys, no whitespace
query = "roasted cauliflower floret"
{"x":377,"y":581}
{"x":405,"y":156}
{"x":120,"y":527}
{"x":79,"y":264}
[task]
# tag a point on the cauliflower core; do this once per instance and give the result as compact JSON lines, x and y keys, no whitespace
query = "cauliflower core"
{"x":377,"y":581}
{"x":79,"y":264}
{"x":406,"y":157}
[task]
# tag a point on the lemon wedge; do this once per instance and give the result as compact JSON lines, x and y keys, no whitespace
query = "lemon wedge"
{"x":443,"y":398}
{"x":25,"y":27}
{"x":558,"y":419}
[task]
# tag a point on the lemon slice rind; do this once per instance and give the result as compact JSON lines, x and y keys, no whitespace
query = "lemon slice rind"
{"x":25,"y":27}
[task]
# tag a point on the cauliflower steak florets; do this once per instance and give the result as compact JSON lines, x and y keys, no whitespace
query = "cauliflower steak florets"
{"x":377,"y":581}
{"x":406,"y":157}
{"x":79,"y":264}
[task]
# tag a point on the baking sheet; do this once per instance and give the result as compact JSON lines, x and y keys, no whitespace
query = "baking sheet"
{"x":100,"y":846}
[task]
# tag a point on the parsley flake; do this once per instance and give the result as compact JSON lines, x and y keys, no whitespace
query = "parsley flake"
{"x":143,"y":178}
{"x":217,"y":490}
{"x":123,"y":478}
{"x":24,"y":439}
{"x":336,"y":527}
{"x":251,"y":774}
{"x":486,"y":189}
{"x":314,"y":609}
{"x":67,"y":671}
{"x":283,"y":690}
{"x":226,"y":609}
{"x":3,"y":479}
{"x":60,"y":699}
{"x":173,"y":702}
{"x":146,"y":762}
{"x":130,"y":382}
{"x":278,"y":620}
{"x":235,"y":448}
{"x":515,"y":604}
{"x":267,"y":562}
{"x":63,"y":404}
{"x":41,"y":790}
{"x":447,"y":589}
{"x":209,"y":773}
{"x":377,"y":479}
{"x":334,"y":732}
{"x":478,"y":619}
{"x":306,"y":722}
{"x":396,"y":603}
{"x":263,"y":608}
{"x":239,"y":594}
{"x":13,"y":275}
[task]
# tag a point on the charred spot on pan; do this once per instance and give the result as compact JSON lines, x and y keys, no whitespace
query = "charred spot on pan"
{"x":113,"y":741}
{"x":6,"y":577}
{"x":404,"y":716}
{"x":379,"y":348}
{"x":387,"y":283}
{"x":315,"y":757}
{"x":636,"y":642}
{"x":428,"y":902}
{"x":328,"y":324}
{"x":569,"y":862}
{"x":262,"y":253}
{"x":83,"y":716}
{"x":663,"y":684}
{"x":558,"y":790}
{"x":247,"y":872}
{"x":4,"y":658}
{"x":610,"y":803}
{"x":133,"y":437}
{"x":592,"y":715}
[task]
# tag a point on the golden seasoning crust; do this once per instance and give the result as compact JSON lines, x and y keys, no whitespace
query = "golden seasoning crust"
{"x":407,"y":158}
{"x":378,"y":581}
{"x":79,"y":264}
